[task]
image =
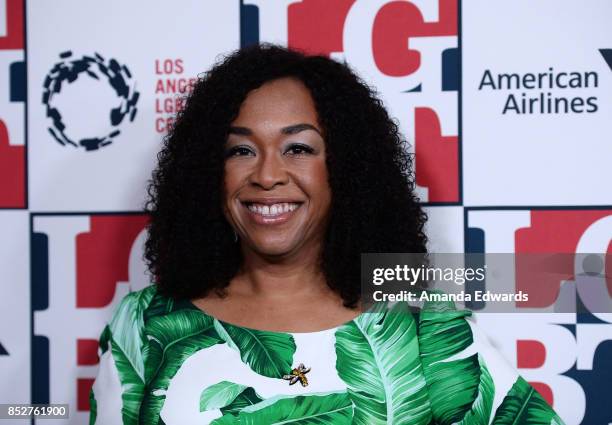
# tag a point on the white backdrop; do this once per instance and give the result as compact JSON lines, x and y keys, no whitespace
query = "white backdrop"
{"x":495,"y":175}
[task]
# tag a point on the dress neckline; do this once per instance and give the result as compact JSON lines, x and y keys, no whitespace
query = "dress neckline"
{"x":322,"y":331}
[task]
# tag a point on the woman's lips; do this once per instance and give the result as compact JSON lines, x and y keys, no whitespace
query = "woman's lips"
{"x":271,"y":213}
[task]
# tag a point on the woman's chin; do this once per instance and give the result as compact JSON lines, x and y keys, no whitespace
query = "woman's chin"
{"x":274,"y":248}
{"x":274,"y":251}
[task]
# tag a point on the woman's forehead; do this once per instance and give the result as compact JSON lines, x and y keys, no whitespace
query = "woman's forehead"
{"x":277,"y":105}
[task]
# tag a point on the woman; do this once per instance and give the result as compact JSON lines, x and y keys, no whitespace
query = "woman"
{"x":280,"y":171}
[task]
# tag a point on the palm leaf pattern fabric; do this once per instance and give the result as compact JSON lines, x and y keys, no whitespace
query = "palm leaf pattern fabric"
{"x":168,"y":362}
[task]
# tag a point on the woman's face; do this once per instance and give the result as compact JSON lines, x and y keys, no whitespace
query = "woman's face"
{"x":277,"y":196}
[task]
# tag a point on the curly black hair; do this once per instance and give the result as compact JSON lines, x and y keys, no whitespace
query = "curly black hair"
{"x":190,"y":246}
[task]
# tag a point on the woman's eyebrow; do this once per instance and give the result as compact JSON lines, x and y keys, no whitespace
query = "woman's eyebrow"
{"x":291,"y":129}
{"x":296,"y":128}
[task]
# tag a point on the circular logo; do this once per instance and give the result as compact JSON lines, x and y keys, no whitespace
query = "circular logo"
{"x":98,"y":96}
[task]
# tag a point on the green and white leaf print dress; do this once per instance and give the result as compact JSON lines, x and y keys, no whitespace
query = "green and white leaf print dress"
{"x":167,"y":362}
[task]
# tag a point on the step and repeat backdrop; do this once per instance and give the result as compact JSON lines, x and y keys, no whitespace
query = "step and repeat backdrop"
{"x":507,"y":105}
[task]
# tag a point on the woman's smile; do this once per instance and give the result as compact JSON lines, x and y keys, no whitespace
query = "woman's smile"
{"x":269,"y":213}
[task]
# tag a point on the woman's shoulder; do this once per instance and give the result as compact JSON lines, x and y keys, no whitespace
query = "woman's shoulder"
{"x":138,"y":307}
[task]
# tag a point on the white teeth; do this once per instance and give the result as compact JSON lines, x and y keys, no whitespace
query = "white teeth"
{"x":272,"y":210}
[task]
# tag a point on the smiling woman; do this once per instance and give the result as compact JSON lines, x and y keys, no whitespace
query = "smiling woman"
{"x":280,"y":171}
{"x":276,"y":183}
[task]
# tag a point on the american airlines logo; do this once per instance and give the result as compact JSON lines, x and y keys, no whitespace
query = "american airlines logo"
{"x":548,"y":91}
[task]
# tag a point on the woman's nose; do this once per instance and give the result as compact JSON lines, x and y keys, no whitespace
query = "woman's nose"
{"x":269,"y":171}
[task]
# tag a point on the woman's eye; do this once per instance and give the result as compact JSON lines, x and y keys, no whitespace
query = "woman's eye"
{"x":238,"y":151}
{"x":297,"y":149}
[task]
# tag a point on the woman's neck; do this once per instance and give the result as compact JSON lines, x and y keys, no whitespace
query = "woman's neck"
{"x":286,"y":293}
{"x":282,"y":277}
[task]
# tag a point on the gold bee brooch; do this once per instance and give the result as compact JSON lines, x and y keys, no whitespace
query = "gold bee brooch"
{"x":298,"y":374}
